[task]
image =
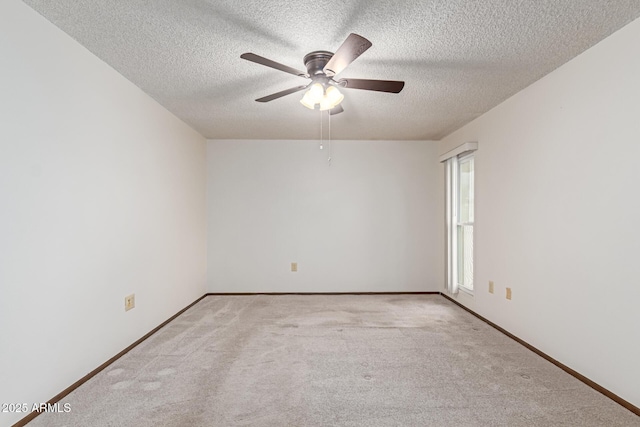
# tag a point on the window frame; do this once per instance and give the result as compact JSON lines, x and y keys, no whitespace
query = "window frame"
{"x":460,"y":159}
{"x":452,"y":161}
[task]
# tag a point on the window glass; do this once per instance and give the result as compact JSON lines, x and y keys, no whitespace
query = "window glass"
{"x":465,"y":256}
{"x":465,"y":222}
{"x":465,"y":181}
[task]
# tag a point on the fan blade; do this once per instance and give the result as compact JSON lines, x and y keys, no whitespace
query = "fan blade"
{"x":336,"y":110}
{"x":392,"y":86}
{"x":281,"y":93}
{"x":353,"y":47}
{"x":269,"y":63}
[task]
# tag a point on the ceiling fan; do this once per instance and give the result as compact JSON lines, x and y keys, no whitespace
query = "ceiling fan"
{"x":322,"y":68}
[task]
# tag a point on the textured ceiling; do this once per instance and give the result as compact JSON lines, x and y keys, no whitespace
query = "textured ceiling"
{"x":459,"y":58}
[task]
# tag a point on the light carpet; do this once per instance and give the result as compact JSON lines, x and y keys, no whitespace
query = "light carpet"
{"x":333,"y":360}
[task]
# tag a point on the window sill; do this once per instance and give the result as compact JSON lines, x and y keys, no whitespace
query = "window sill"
{"x":465,"y":290}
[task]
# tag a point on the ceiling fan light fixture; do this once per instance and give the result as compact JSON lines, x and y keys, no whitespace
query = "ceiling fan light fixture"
{"x":325,"y":105}
{"x":307,"y":101}
{"x":334,"y":96}
{"x":328,"y":100}
{"x":316,"y":93}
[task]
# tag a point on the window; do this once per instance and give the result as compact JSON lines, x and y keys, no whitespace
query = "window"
{"x":464,"y":225}
{"x":459,"y":168}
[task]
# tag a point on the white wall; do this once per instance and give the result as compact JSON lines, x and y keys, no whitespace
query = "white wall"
{"x":102,"y":194}
{"x":557,"y":208}
{"x":367,"y":223}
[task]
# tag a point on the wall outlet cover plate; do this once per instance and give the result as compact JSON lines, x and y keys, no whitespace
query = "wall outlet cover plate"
{"x":129,"y":302}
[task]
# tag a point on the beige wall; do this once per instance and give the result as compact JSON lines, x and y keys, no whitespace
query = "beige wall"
{"x":102,"y":194}
{"x":368,"y":223}
{"x":556,"y":211}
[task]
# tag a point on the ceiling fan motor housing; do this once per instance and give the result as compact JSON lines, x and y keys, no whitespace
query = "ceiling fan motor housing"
{"x":315,"y":62}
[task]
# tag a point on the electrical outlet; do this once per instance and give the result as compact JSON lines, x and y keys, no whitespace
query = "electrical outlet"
{"x":490,"y":287}
{"x":294,"y":266}
{"x":508,"y":293}
{"x":129,"y":302}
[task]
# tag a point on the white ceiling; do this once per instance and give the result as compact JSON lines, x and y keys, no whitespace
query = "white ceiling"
{"x":459,"y":58}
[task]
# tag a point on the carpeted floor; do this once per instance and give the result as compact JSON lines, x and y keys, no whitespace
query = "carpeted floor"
{"x":348,"y":360}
